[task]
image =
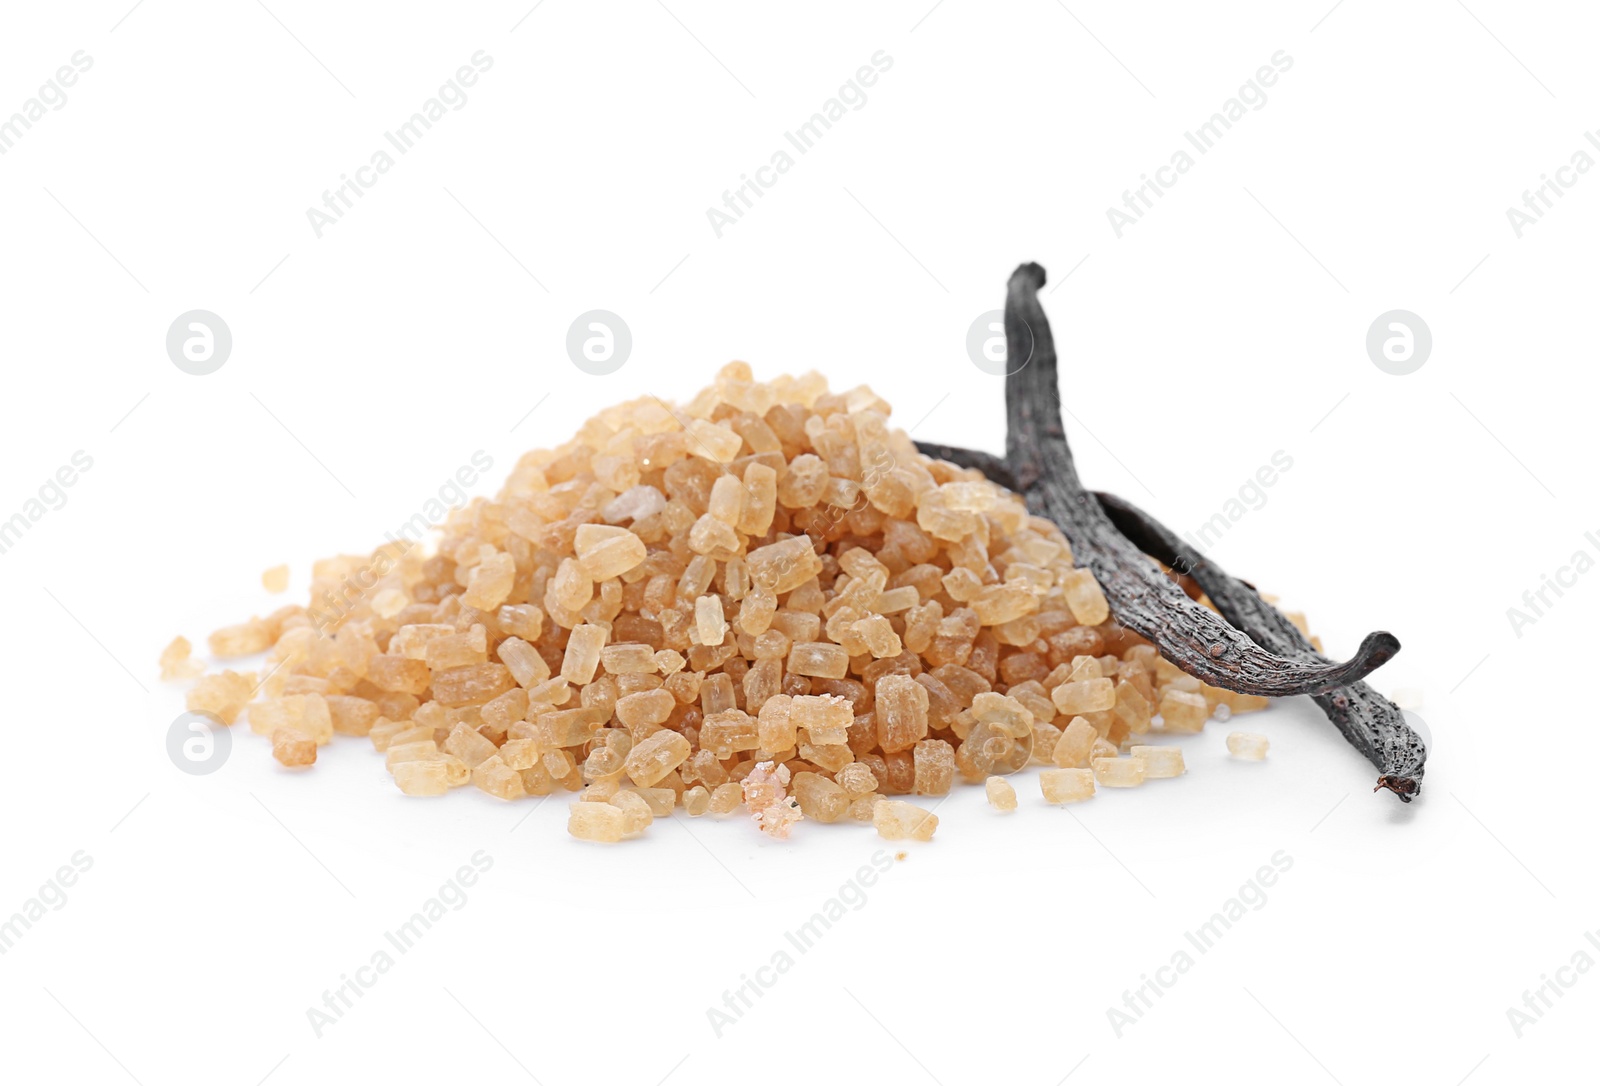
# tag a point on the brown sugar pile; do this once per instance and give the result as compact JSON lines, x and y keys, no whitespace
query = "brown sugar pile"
{"x":765,"y":598}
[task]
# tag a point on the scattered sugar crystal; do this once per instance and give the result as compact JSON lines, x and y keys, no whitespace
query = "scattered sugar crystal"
{"x":1118,"y":772}
{"x":223,"y":695}
{"x":597,"y":822}
{"x":244,"y":639}
{"x":1159,"y":762}
{"x":175,"y":661}
{"x":422,"y":778}
{"x":1001,"y":796}
{"x":293,"y":748}
{"x":897,"y":820}
{"x":1066,"y":785}
{"x":1247,"y":745}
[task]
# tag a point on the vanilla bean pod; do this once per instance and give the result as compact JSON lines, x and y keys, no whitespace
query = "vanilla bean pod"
{"x":1371,"y":722}
{"x":1142,"y":598}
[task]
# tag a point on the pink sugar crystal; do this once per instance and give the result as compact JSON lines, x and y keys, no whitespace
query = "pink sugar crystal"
{"x":769,"y":804}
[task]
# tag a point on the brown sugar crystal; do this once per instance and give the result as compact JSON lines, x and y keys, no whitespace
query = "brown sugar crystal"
{"x":1001,"y":796}
{"x":293,"y":748}
{"x":175,"y":661}
{"x":897,"y":820}
{"x":1066,"y":785}
{"x":656,"y":756}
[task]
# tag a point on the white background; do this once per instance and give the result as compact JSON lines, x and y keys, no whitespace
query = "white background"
{"x":370,"y":363}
